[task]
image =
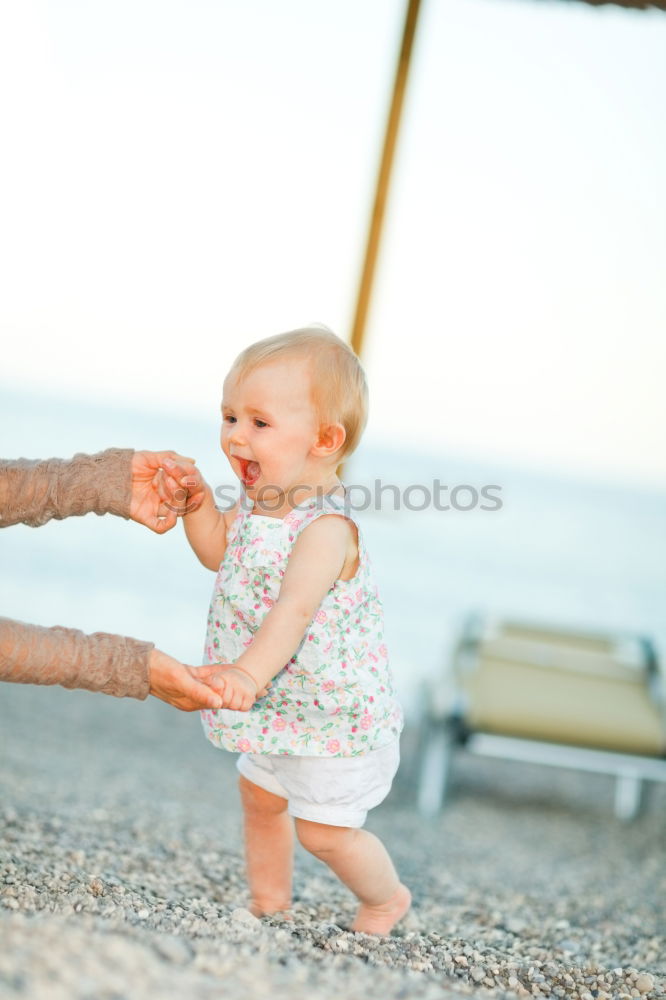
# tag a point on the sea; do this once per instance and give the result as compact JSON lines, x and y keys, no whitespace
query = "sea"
{"x":546,"y":549}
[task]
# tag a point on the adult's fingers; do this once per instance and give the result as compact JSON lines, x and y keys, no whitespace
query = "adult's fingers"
{"x":178,"y":466}
{"x":162,"y":523}
{"x":200,"y":695}
{"x":171,"y":458}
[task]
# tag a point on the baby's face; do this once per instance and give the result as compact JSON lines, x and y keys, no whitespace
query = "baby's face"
{"x":269,"y":426}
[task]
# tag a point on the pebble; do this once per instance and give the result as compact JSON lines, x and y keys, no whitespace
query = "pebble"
{"x":138,"y":889}
{"x":174,"y":949}
{"x":243,"y":916}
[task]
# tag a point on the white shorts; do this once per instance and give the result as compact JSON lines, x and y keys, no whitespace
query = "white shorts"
{"x":337,"y":791}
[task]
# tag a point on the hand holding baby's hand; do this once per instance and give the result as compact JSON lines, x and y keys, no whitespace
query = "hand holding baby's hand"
{"x":179,"y":494}
{"x":238,"y":689}
{"x":151,"y":502}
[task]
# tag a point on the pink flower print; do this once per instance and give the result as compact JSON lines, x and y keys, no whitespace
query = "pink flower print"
{"x":359,"y":595}
{"x":279,"y":724}
{"x":320,"y":617}
{"x":328,"y":686}
{"x":332,"y":746}
{"x":264,"y":729}
{"x":366,"y":721}
{"x":243,"y":745}
{"x":383,"y":651}
{"x":268,"y":601}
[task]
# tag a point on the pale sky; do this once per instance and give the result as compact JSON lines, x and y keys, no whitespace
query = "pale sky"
{"x":180,"y":178}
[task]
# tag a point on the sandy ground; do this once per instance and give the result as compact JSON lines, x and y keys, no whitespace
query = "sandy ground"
{"x":121,"y":875}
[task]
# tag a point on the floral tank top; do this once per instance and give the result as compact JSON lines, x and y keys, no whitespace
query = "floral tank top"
{"x":335,"y":696}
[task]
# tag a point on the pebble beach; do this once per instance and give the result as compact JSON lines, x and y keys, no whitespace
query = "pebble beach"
{"x":121,"y":875}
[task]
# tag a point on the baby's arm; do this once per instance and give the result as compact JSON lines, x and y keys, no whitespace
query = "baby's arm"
{"x":314,"y":565}
{"x":206,"y":527}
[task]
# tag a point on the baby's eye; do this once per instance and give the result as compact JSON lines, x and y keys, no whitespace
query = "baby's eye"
{"x":260,"y":423}
{"x":228,"y":419}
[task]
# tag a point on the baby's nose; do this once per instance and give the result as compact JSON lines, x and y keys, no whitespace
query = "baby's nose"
{"x":237,"y":437}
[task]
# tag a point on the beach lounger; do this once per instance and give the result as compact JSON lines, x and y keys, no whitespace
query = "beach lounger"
{"x":547,"y":695}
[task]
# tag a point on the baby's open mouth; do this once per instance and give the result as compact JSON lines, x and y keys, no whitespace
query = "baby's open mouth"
{"x":249,"y":471}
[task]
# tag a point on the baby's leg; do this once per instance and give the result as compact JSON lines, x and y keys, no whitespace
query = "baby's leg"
{"x":269,"y":848}
{"x":362,"y":862}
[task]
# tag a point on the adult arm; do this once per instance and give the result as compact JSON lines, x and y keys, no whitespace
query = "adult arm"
{"x":34,"y":492}
{"x":116,"y":481}
{"x":111,"y":664}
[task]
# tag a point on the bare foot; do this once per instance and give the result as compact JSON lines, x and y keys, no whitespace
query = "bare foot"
{"x":382,"y":918}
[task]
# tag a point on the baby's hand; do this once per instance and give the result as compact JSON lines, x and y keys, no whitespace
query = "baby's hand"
{"x":238,"y":689}
{"x":180,"y":495}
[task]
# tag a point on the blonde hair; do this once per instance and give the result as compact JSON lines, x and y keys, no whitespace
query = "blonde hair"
{"x":338,"y":383}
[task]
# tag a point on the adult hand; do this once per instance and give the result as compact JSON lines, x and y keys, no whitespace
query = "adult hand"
{"x":180,"y":494}
{"x":183,"y":687}
{"x":157,"y":497}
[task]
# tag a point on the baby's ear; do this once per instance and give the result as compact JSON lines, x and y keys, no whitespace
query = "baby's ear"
{"x":331,"y":439}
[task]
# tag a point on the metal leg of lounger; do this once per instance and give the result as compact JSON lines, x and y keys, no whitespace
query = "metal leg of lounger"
{"x":628,"y":795}
{"x":435,"y":767}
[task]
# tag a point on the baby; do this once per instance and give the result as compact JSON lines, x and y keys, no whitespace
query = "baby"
{"x":296,"y":624}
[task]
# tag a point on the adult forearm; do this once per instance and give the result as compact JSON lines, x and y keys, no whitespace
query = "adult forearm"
{"x":34,"y":492}
{"x":112,"y":664}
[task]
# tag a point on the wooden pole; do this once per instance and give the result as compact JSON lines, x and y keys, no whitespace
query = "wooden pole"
{"x":382,"y":185}
{"x":383,"y":177}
